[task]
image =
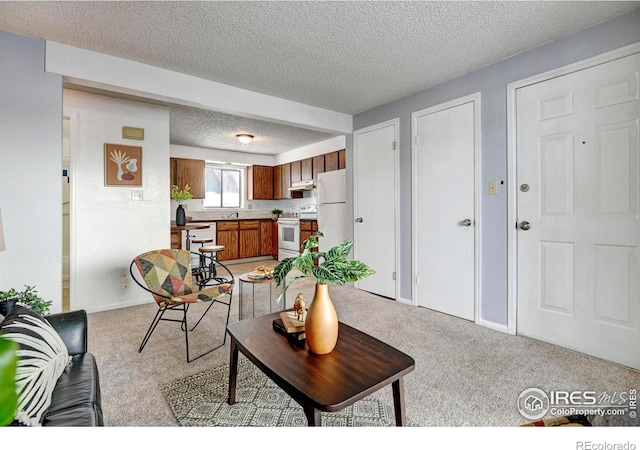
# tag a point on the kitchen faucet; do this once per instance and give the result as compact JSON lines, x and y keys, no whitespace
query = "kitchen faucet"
{"x":226,"y":216}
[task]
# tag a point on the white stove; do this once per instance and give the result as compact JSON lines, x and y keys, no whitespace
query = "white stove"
{"x":288,"y":237}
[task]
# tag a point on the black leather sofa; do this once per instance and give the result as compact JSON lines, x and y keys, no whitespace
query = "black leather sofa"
{"x":76,"y":398}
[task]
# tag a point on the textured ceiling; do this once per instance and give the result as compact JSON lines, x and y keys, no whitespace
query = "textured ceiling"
{"x":346,"y":56}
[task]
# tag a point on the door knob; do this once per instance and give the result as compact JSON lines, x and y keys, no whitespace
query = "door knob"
{"x":524,"y":225}
{"x":359,"y":220}
{"x":466,"y":223}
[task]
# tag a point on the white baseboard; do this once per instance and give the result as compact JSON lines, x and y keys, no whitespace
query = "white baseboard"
{"x":494,"y":325}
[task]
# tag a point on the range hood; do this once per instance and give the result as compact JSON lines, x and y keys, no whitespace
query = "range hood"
{"x":306,"y":185}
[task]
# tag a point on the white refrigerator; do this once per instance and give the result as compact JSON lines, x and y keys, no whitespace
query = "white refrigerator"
{"x":331,"y":191}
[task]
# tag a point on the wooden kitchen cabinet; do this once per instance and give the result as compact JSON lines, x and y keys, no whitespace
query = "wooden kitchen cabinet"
{"x":342,"y":159}
{"x":277,"y":182}
{"x":274,"y":239}
{"x":260,"y":183}
{"x":306,"y":169}
{"x":331,"y":162}
{"x":250,"y":242}
{"x":188,"y":171}
{"x":176,"y":241}
{"x":296,"y":171}
{"x":307,"y":228}
{"x":285,"y":175}
{"x":227,"y":234}
{"x":266,"y":238}
{"x":318,"y":166}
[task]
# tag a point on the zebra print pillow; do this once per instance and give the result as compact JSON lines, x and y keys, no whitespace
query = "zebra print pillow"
{"x":42,"y":358}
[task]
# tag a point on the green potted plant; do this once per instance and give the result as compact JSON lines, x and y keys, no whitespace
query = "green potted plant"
{"x":180,"y":196}
{"x":8,"y":394}
{"x":321,"y":324}
{"x":276,"y":213}
{"x":29,"y":297}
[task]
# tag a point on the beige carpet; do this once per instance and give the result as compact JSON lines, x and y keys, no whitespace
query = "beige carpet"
{"x":466,"y":375}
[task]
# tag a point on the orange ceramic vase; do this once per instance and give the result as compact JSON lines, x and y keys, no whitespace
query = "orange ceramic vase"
{"x":321,"y":324}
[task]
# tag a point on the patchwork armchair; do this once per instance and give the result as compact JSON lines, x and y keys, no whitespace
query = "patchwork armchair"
{"x":167,"y":275}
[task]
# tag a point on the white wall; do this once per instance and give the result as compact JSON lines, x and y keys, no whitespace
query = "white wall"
{"x":31,"y":163}
{"x":108,"y":229}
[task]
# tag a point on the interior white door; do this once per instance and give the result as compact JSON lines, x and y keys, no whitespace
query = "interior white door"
{"x":578,"y":211}
{"x":444,"y":160}
{"x":374,"y":212}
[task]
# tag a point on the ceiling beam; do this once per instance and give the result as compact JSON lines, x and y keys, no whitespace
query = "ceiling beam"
{"x":97,"y":70}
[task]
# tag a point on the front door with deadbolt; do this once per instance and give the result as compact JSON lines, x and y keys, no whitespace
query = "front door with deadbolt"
{"x":578,"y":201}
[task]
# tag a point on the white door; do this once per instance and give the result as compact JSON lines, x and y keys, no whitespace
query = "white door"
{"x":445,"y":145}
{"x":375,"y":206}
{"x":578,"y":192}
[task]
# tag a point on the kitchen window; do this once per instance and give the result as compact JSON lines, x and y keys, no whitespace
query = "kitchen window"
{"x":224,"y":186}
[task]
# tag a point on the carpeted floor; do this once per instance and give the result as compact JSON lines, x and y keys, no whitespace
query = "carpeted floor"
{"x":201,"y":400}
{"x":466,"y":375}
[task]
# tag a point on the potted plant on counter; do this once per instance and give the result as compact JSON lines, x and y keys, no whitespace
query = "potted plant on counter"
{"x":180,"y":196}
{"x":276,"y":213}
{"x":321,"y":323}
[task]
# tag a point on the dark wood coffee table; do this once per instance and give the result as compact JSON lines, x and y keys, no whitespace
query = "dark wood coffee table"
{"x":358,"y":366}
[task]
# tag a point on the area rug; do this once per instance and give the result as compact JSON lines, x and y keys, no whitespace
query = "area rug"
{"x":201,"y":401}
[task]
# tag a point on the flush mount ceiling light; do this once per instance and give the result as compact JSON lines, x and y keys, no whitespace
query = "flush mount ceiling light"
{"x":245,"y":138}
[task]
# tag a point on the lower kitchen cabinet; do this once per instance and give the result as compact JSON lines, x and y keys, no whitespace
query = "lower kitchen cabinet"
{"x":227,"y":234}
{"x":268,"y":231}
{"x":307,"y":228}
{"x":247,"y":238}
{"x":250,"y":241}
{"x":176,"y":241}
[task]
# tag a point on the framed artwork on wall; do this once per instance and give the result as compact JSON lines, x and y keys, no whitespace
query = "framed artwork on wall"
{"x":122,"y":165}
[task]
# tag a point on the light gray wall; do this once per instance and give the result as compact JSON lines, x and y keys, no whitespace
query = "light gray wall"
{"x":31,"y":164}
{"x":491,"y":82}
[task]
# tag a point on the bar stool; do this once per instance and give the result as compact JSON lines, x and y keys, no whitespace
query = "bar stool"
{"x":202,"y":263}
{"x":198,"y":271}
{"x":210,"y":253}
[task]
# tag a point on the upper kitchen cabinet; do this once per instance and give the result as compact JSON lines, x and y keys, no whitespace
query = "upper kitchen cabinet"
{"x":331,"y":162}
{"x":296,"y":171}
{"x":260,"y":183}
{"x":285,"y":178}
{"x":188,"y":171}
{"x":306,"y":169}
{"x":335,"y":160}
{"x":317,"y":166}
{"x":277,"y":182}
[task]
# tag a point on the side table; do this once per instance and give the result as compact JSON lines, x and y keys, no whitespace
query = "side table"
{"x":244,"y":278}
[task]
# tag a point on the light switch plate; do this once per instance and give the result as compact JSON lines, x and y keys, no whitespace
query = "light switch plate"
{"x":136,"y":195}
{"x":493,"y":187}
